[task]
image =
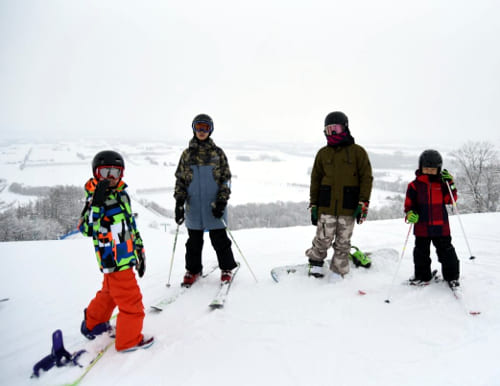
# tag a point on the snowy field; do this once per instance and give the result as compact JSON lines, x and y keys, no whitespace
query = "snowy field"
{"x":261,"y":173}
{"x":301,"y":331}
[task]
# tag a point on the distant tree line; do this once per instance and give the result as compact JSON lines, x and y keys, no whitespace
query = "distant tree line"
{"x":28,"y":190}
{"x":476,"y":169}
{"x":47,"y":218}
{"x":477,"y":177}
{"x":285,"y":214}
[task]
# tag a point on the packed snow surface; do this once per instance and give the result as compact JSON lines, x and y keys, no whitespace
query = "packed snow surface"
{"x":301,"y":331}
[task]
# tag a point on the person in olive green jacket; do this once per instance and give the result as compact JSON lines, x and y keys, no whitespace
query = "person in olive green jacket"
{"x":341,"y":184}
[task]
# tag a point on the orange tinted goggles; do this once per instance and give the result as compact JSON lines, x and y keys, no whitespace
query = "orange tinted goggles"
{"x":202,"y":126}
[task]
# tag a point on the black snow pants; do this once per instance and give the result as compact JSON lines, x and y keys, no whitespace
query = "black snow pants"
{"x":221,"y":244}
{"x":450,"y":265}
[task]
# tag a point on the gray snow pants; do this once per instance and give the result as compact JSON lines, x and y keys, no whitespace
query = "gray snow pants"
{"x":333,"y":231}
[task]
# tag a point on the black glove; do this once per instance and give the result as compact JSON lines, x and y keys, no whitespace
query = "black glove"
{"x":179,"y":212}
{"x":100,"y":193}
{"x":314,"y":215}
{"x":141,"y":261}
{"x":218,"y":208}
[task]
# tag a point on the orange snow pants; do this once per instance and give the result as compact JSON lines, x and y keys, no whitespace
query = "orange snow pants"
{"x":119,"y":289}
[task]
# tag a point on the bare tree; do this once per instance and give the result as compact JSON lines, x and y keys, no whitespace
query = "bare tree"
{"x":478,"y":176}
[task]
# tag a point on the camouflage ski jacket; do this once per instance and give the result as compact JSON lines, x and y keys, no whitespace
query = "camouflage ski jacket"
{"x":202,"y":178}
{"x":341,"y":177}
{"x":112,"y":227}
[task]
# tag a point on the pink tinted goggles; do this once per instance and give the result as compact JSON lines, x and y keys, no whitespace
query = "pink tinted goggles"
{"x":336,"y":128}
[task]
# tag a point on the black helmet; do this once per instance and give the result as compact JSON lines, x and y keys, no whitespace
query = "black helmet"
{"x":337,"y":117}
{"x":203,"y":118}
{"x":107,"y":158}
{"x":430,"y":159}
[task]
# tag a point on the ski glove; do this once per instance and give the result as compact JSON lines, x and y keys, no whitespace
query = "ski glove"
{"x":314,"y":215}
{"x":218,"y":208}
{"x":179,"y":212}
{"x":100,"y":193}
{"x":411,"y":217}
{"x":446,"y":176}
{"x":141,"y":261}
{"x":361,"y":212}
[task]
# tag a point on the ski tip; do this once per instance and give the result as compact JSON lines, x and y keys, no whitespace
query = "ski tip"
{"x":361,"y":292}
{"x":474,"y":313}
{"x":387,"y":301}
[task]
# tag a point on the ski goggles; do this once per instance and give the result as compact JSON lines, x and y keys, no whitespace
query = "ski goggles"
{"x":109,"y":172}
{"x":202,"y":127}
{"x":335,"y":128}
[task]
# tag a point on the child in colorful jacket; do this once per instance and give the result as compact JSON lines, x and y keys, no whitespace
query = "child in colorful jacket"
{"x":108,"y":219}
{"x":425,"y":202}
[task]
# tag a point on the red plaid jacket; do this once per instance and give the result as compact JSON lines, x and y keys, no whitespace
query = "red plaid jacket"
{"x":427,"y":196}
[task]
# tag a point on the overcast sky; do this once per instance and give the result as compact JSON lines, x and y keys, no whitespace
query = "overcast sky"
{"x":424,"y":71}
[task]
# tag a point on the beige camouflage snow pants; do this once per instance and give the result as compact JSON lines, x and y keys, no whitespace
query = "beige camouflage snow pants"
{"x":333,"y":231}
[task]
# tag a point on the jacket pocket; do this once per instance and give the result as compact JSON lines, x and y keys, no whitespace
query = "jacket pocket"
{"x":325,"y":195}
{"x":351,"y":197}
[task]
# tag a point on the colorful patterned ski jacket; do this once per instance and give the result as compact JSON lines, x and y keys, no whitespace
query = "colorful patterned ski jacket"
{"x":427,"y":196}
{"x":202,"y":178}
{"x":112,"y":228}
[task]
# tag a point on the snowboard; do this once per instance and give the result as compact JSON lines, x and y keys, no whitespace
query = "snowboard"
{"x":302,"y":270}
{"x":279,"y":273}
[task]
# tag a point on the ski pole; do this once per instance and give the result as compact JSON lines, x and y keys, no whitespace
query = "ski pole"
{"x":173,"y":254}
{"x":239,"y":250}
{"x":399,"y":265}
{"x":472,"y":257}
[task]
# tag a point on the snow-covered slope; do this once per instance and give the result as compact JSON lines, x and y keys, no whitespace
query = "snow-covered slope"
{"x":302,"y":331}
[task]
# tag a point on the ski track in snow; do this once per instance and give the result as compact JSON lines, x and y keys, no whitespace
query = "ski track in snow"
{"x":301,"y":331}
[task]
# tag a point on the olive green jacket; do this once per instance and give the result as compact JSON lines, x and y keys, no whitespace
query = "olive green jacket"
{"x":341,"y":177}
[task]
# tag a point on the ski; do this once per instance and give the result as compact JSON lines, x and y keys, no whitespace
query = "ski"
{"x":459,"y":296}
{"x":160,"y":306}
{"x":434,"y":279}
{"x":457,"y":292}
{"x":222,"y":292}
{"x":92,"y":363}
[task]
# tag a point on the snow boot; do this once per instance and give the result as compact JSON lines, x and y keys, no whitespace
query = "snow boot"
{"x":454,"y":284}
{"x":419,"y":282}
{"x":101,"y":328}
{"x":316,"y":271}
{"x":190,"y":278}
{"x":146,"y":342}
{"x":226,"y":276}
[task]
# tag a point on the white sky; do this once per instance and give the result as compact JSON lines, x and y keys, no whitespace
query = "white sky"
{"x":425,"y":71}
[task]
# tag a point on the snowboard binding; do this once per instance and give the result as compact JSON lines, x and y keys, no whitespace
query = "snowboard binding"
{"x":359,"y":258}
